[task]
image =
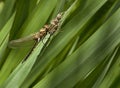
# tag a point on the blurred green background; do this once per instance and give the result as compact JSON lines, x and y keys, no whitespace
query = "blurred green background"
{"x":83,"y":53}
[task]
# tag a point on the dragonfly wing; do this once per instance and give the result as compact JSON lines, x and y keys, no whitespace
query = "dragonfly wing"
{"x":25,"y":41}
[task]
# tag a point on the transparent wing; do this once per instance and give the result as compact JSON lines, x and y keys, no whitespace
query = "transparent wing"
{"x":22,"y":42}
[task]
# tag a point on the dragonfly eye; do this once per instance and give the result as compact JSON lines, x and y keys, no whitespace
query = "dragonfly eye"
{"x":52,"y":22}
{"x":59,"y":16}
{"x":46,"y":27}
{"x":36,"y":36}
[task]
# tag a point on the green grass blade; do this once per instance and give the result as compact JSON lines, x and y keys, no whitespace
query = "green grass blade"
{"x":83,"y":53}
{"x":22,"y":7}
{"x":1,"y":6}
{"x":97,"y":20}
{"x":7,"y":11}
{"x":6,"y":29}
{"x":111,"y":80}
{"x":18,"y":76}
{"x":35,"y":21}
{"x":4,"y":36}
{"x":97,"y":74}
{"x":3,"y":50}
{"x":70,"y":30}
{"x":86,"y":57}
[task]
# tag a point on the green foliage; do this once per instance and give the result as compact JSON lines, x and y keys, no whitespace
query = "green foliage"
{"x":83,"y":53}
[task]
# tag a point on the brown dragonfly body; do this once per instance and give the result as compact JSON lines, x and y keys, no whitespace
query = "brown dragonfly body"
{"x":51,"y":28}
{"x":48,"y":28}
{"x":38,"y":36}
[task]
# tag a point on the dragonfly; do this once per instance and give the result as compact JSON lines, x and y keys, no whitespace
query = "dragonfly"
{"x":40,"y":35}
